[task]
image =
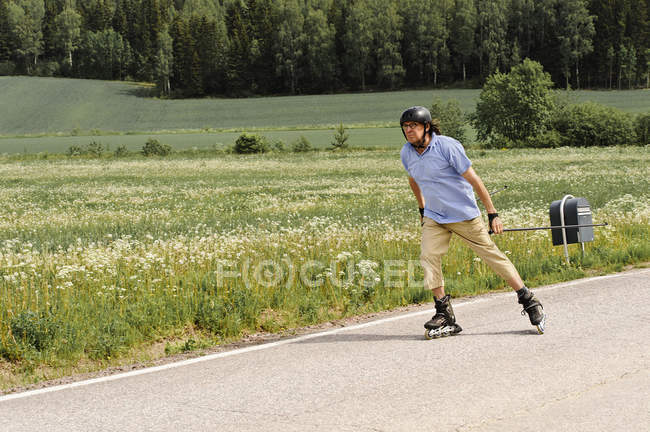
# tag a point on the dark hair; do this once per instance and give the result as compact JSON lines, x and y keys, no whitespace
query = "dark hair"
{"x":435,"y":126}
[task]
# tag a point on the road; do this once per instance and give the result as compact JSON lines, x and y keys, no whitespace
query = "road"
{"x":589,"y":372}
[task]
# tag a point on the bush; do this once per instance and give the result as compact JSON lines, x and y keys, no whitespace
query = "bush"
{"x":153,"y":147}
{"x":251,"y":143}
{"x":549,"y":139}
{"x":74,"y":150}
{"x":452,"y":119}
{"x":278,"y":146}
{"x":121,"y":151}
{"x":301,"y":145}
{"x":642,"y":128}
{"x":96,"y":148}
{"x":340,"y":138}
{"x":517,"y":105}
{"x":591,"y":124}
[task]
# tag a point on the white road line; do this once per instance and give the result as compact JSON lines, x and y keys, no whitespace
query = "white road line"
{"x":292,"y":340}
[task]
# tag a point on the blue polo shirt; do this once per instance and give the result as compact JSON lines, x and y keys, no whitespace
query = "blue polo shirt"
{"x":447,"y":195}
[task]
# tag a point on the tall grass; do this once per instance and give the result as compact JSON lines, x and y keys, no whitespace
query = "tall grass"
{"x":100,"y":257}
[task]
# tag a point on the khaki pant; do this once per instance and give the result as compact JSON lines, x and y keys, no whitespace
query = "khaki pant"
{"x":435,"y":243}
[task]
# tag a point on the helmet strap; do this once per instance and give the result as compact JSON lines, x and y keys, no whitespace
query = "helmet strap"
{"x":420,"y":144}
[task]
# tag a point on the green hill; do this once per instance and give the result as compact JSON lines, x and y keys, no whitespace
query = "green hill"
{"x":31,"y":105}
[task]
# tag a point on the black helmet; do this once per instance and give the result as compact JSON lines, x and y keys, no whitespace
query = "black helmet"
{"x":416,"y":114}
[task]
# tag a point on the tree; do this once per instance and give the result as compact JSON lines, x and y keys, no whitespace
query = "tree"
{"x":522,"y":25}
{"x":337,"y":16}
{"x":263,"y":30}
{"x":452,"y":120}
{"x":424,"y":41}
{"x":516,"y":105}
{"x":622,"y":58}
{"x":610,"y":29}
{"x":492,"y":35}
{"x":575,"y":31}
{"x":647,"y":68}
{"x":164,"y":62}
{"x":340,"y":138}
{"x":386,"y":24}
{"x":183,"y":54}
{"x":357,"y":42}
{"x":238,"y":67}
{"x":289,"y":43}
{"x":210,"y":39}
{"x":628,"y":63}
{"x":67,"y":33}
{"x":319,"y":52}
{"x":103,"y":55}
{"x":6,"y":47}
{"x":464,"y":23}
{"x":611,"y":58}
{"x":25,"y":18}
{"x":201,"y":8}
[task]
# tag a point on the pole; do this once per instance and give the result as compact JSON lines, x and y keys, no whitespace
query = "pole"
{"x":566,"y":246}
{"x":562,"y":227}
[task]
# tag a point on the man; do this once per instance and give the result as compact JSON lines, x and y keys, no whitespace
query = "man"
{"x":443,"y":182}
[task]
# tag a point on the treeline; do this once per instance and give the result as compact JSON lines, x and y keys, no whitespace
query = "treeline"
{"x":246,"y":47}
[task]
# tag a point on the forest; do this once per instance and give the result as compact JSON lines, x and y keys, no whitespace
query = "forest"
{"x":192,"y":48}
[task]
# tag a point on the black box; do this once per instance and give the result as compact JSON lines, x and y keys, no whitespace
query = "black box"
{"x":576,"y":212}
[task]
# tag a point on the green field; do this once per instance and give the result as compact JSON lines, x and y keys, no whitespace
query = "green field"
{"x":105,"y":262}
{"x":49,"y":106}
{"x":319,"y":138}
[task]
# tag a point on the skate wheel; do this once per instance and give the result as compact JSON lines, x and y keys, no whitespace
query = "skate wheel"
{"x":542,"y":325}
{"x":427,"y":334}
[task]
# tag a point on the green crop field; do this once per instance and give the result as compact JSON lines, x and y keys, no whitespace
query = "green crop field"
{"x":106,"y":262}
{"x":58,"y":113}
{"x":69,"y":106}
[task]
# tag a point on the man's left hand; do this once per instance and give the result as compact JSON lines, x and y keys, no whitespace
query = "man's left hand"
{"x":495,"y":224}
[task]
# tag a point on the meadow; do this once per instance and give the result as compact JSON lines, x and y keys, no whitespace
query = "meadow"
{"x":109,"y":261}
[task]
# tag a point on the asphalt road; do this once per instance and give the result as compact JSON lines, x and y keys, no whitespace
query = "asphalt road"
{"x":589,"y":372}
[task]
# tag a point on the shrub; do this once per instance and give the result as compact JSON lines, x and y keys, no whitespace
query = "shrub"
{"x":301,"y":145}
{"x":251,"y":143}
{"x":278,"y":146}
{"x":96,"y":148}
{"x":452,"y":119}
{"x":591,"y":124}
{"x":549,"y":139}
{"x":642,"y":127}
{"x":340,"y":138}
{"x":121,"y":151}
{"x":153,"y":147}
{"x":516,"y":105}
{"x":74,"y":150}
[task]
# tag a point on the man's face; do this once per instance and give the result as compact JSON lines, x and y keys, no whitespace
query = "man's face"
{"x":413,"y":131}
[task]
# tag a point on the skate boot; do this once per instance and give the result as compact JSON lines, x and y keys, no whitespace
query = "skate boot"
{"x":443,"y":323}
{"x":534,"y":309}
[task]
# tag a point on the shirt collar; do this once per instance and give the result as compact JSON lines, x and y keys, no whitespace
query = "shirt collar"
{"x":432,"y":143}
